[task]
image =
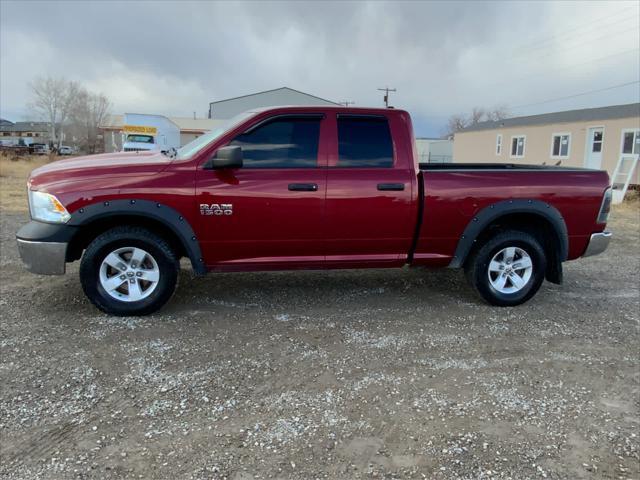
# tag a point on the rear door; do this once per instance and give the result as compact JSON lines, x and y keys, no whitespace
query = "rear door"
{"x":270,"y":212}
{"x":370,"y":219}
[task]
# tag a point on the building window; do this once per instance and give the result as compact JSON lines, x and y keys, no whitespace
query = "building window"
{"x":517,"y":146}
{"x":560,"y":145}
{"x":631,"y":142}
{"x":499,"y":144}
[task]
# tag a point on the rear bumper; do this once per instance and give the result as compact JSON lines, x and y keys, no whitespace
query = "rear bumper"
{"x":45,"y":258}
{"x":598,"y":243}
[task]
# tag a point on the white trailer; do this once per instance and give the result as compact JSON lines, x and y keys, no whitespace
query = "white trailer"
{"x":149,"y":132}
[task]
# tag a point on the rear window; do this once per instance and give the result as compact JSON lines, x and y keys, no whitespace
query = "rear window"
{"x":364,"y":142}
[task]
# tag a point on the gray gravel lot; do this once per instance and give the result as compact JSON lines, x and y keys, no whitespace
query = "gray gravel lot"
{"x":352,"y":374}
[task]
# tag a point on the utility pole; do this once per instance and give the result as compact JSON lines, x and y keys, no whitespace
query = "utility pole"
{"x":346,"y":103}
{"x":386,"y":91}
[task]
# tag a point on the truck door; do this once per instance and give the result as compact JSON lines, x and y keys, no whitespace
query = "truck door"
{"x":270,"y":212}
{"x":370,"y":212}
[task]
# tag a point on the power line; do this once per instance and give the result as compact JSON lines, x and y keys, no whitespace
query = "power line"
{"x":577,"y":94}
{"x":565,"y":67}
{"x":580,"y":27}
{"x":582,"y":44}
{"x":577,"y":36}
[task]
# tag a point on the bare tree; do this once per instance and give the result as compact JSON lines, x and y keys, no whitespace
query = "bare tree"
{"x":70,"y":108}
{"x":455,"y":124}
{"x":478,"y":114}
{"x":459,"y":121}
{"x":89,"y":111}
{"x":52,"y":100}
{"x":499,"y":112}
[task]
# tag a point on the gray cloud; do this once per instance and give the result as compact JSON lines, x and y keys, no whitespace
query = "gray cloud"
{"x":175,"y":57}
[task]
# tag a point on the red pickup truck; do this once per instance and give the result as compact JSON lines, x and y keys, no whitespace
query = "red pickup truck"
{"x":306,"y":188}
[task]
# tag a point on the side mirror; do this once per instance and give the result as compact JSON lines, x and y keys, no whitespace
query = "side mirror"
{"x":225,"y":157}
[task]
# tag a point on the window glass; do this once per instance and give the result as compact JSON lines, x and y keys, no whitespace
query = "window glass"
{"x":140,"y":138}
{"x":364,"y":142}
{"x":597,"y":141}
{"x":194,"y":146}
{"x":560,"y":145}
{"x":631,"y":142}
{"x":517,"y":146}
{"x":281,"y":143}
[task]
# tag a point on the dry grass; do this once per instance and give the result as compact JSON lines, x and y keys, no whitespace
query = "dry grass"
{"x":14,"y":172}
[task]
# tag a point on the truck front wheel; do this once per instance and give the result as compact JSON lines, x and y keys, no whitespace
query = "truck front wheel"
{"x":129,"y":271}
{"x":507,"y":269}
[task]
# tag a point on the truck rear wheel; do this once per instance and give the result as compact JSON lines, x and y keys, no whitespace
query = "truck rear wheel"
{"x":129,"y":271}
{"x":508,"y":269}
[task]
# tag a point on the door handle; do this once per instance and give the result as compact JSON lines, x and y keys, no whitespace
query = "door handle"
{"x":385,"y":187}
{"x":303,"y":187}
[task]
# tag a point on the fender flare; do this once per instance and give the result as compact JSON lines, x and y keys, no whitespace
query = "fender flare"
{"x":159,"y":212}
{"x":488,"y":214}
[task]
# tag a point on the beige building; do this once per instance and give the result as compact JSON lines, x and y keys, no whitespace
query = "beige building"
{"x":605,"y":138}
{"x":23,"y":133}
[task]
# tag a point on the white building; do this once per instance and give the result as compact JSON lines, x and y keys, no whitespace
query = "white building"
{"x":434,"y":150}
{"x":190,"y":128}
{"x":224,"y":109}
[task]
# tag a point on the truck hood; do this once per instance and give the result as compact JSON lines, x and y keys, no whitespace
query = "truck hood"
{"x":122,"y":164}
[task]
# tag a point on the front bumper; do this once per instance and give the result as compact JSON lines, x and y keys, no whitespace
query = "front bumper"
{"x":43,"y":246}
{"x":45,"y":258}
{"x":598,"y":243}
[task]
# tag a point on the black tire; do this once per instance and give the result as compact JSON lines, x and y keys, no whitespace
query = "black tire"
{"x":477,"y":267}
{"x":121,"y":237}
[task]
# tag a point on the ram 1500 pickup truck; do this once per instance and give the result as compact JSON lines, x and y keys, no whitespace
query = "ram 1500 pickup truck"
{"x":306,"y":188}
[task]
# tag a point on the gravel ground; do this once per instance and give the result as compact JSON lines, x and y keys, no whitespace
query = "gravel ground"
{"x":353,"y":374}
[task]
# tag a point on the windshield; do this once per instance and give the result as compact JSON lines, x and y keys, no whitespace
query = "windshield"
{"x":202,"y":141}
{"x":140,"y":138}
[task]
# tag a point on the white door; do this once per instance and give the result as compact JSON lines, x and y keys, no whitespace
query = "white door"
{"x":627,"y":164}
{"x":593,"y":156}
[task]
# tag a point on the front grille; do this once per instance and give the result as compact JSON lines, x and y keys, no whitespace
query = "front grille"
{"x":133,"y":149}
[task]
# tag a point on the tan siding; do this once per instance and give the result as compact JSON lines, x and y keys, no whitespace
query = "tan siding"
{"x":480,"y":146}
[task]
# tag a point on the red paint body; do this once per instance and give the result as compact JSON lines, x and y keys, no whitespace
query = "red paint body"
{"x":346,"y":223}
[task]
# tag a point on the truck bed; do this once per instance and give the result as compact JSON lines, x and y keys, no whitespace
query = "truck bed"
{"x":454,"y":195}
{"x":447,"y":167}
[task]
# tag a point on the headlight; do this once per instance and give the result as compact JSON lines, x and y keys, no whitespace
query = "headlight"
{"x":46,"y":207}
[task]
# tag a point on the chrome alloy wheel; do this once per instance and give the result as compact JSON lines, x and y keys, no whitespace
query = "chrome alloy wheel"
{"x":510,"y":270}
{"x":129,"y":274}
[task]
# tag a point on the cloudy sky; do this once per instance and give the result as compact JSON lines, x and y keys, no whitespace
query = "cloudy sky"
{"x":443,"y":58}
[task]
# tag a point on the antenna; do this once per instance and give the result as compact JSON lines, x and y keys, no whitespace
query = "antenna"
{"x":346,"y":103}
{"x":386,"y":91}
